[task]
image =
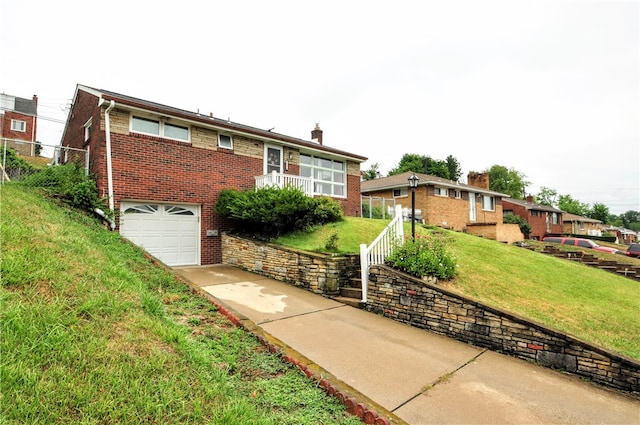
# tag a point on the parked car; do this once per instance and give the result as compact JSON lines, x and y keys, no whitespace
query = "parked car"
{"x":633,"y":250}
{"x":579,"y":242}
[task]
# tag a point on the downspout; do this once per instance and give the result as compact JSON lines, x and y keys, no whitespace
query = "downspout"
{"x":107,"y":129}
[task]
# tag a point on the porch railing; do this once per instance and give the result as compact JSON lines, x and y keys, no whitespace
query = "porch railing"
{"x":305,"y":184}
{"x":380,"y":248}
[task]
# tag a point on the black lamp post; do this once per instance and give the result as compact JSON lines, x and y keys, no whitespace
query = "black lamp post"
{"x":413,"y":183}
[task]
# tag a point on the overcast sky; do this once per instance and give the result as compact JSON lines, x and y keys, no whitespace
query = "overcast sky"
{"x":548,"y":88}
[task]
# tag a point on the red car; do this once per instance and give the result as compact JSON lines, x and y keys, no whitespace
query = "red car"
{"x":633,"y":250}
{"x":580,"y":242}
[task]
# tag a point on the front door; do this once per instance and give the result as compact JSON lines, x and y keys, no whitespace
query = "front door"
{"x":272,"y":159}
{"x":472,"y":206}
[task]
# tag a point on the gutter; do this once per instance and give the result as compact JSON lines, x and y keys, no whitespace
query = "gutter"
{"x":107,"y":129}
{"x":105,"y":217}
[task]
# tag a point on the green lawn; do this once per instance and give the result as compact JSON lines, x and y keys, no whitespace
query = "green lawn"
{"x":592,"y":304}
{"x":92,"y":332}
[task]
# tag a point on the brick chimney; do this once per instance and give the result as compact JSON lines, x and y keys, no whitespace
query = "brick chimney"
{"x":480,"y":180}
{"x":530,"y":198}
{"x":316,"y":134}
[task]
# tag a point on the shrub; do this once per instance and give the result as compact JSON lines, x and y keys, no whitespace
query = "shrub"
{"x":69,"y":183}
{"x":331,"y":243}
{"x":14,"y":165}
{"x":371,"y":212}
{"x":272,"y":211}
{"x":525,"y":227}
{"x":325,"y":210}
{"x":426,"y":256}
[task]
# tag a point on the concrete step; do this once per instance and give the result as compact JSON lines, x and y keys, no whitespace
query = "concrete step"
{"x":355,"y":282}
{"x":353,"y":302}
{"x":351,"y":293}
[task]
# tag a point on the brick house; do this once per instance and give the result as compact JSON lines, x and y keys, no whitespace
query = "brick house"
{"x":162,"y":168}
{"x":471,"y":208}
{"x":18,"y":122}
{"x":544,"y":220}
{"x":577,"y":225}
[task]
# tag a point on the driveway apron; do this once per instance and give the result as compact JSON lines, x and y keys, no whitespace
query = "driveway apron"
{"x":418,"y":377}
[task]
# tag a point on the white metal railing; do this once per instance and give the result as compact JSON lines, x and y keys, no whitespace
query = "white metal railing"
{"x":305,"y":184}
{"x":406,"y":213}
{"x":380,"y":248}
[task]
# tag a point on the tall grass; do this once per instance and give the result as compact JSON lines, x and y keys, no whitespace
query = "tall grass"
{"x":92,"y":332}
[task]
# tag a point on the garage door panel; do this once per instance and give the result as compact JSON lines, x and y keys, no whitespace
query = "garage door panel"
{"x":168,"y":232}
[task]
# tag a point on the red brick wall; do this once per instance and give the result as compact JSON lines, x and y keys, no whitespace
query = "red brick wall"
{"x":28,"y":135}
{"x":446,"y":211}
{"x":151,"y":168}
{"x":537,"y":222}
{"x":163,"y":170}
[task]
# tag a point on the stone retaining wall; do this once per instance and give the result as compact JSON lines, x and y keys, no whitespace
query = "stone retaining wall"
{"x":428,"y":306}
{"x":320,"y":273}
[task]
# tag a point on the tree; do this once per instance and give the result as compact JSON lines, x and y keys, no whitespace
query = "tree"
{"x":631,"y":220}
{"x":547,"y":196}
{"x":573,"y":206}
{"x":599,"y":212}
{"x":427,"y":165}
{"x":410,"y":162}
{"x":454,"y":168}
{"x":507,"y":180}
{"x":372,"y":172}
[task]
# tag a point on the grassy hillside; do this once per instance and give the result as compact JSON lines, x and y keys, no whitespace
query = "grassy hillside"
{"x":591,"y":304}
{"x":92,"y":332}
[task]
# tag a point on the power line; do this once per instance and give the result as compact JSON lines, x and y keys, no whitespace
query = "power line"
{"x":56,"y":120}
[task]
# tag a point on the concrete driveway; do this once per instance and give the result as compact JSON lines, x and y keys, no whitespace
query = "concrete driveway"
{"x":406,"y":374}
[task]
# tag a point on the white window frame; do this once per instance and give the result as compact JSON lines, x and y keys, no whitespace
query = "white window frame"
{"x":221,"y":144}
{"x":458,"y":194}
{"x":161,"y":127}
{"x":19,"y":125}
{"x":87,"y":129}
{"x":272,"y":164}
{"x":441,"y":191}
{"x":323,"y":186}
{"x":491,"y":201}
{"x":402,"y":193}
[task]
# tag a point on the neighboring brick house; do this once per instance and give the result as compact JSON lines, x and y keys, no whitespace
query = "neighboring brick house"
{"x":544,"y":220}
{"x":573,"y":224}
{"x":162,"y":169}
{"x":623,"y":236}
{"x":472,"y":207}
{"x":18,"y":122}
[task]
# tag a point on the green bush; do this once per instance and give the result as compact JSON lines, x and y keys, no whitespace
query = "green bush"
{"x":371,"y":212}
{"x":273,"y":211}
{"x":325,"y":210}
{"x":13,"y":163}
{"x":69,"y":183}
{"x":525,"y":227}
{"x":426,"y":256}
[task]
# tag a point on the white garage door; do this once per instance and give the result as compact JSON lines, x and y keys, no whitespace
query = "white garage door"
{"x":170,"y":233}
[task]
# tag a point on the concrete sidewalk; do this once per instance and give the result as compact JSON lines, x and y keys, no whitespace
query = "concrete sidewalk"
{"x":405,"y":373}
